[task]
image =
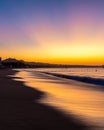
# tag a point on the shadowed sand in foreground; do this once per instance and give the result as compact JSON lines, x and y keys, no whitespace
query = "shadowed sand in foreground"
{"x":19,"y":109}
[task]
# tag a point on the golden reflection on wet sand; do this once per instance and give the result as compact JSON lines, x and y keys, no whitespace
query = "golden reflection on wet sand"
{"x":84,"y":102}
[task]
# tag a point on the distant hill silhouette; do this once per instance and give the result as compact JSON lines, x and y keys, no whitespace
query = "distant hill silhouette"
{"x":14,"y":63}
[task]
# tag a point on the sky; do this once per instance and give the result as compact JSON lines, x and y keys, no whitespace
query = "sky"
{"x":53,"y":31}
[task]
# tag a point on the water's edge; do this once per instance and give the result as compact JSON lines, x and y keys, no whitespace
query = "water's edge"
{"x":96,"y":81}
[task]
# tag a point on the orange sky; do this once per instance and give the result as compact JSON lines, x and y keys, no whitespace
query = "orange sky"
{"x":67,"y":33}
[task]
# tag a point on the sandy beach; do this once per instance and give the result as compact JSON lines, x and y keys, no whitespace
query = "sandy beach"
{"x":19,"y":109}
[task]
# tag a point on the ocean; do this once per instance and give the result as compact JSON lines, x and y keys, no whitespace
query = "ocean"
{"x":84,"y":72}
{"x":75,"y":91}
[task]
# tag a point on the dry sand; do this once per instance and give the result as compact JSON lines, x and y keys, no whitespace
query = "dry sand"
{"x":19,"y":109}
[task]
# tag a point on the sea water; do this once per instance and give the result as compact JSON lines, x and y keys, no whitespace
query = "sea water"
{"x":86,"y":72}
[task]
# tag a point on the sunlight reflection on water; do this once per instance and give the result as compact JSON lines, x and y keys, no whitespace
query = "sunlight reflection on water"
{"x":68,"y":96}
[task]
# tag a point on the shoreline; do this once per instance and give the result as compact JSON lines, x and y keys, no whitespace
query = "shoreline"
{"x":19,"y":109}
{"x":89,"y":80}
{"x":81,"y":100}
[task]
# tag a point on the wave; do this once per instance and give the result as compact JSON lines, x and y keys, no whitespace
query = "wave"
{"x":96,"y":81}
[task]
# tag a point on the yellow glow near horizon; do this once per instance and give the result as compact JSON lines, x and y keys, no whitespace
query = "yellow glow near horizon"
{"x":83,"y":54}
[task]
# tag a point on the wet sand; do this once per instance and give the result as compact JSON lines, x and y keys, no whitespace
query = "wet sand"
{"x":81,"y":100}
{"x":19,"y":109}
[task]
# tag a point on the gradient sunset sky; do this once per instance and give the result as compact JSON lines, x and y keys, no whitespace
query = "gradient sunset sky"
{"x":54,"y":31}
